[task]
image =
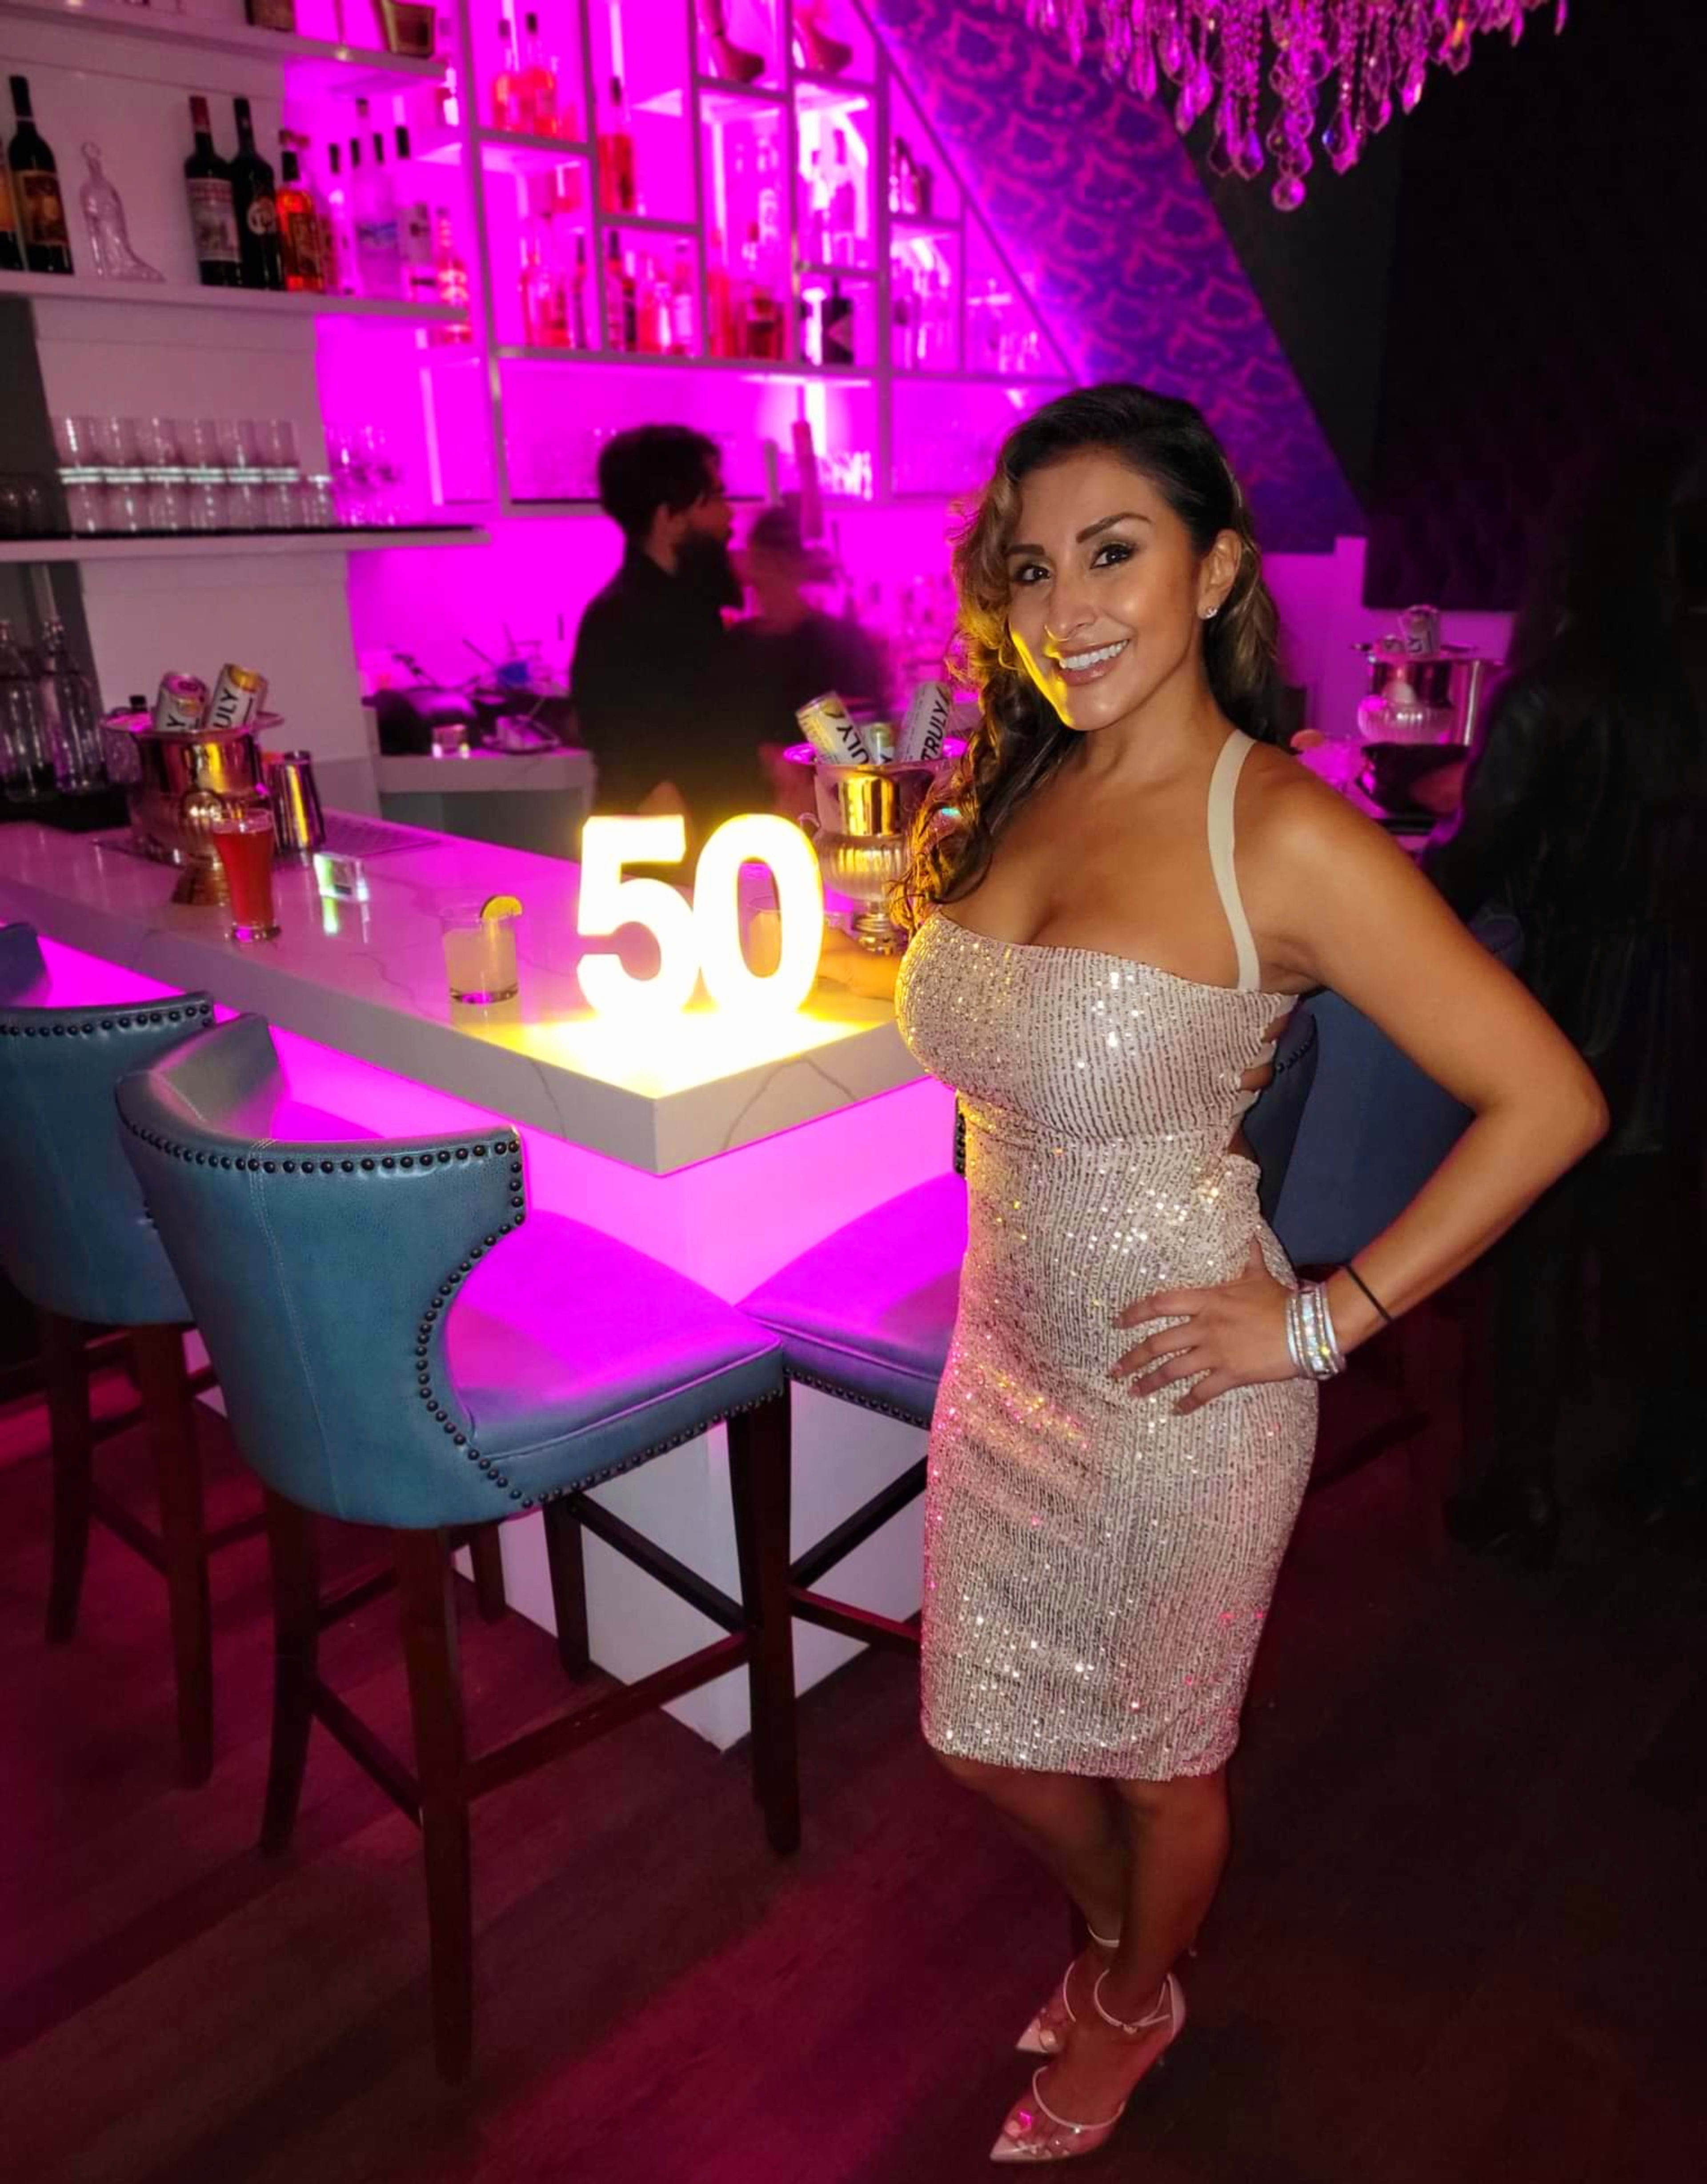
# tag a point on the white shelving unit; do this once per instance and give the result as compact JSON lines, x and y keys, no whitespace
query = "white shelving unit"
{"x":325,"y":64}
{"x":89,"y":288}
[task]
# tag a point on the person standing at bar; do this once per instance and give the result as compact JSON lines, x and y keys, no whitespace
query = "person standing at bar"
{"x":656,"y":681}
{"x":1115,"y":900}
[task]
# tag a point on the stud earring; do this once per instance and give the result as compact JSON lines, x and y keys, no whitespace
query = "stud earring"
{"x":1209,"y":613}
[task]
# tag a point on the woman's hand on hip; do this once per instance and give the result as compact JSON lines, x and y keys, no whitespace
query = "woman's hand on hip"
{"x":1229,"y":1337}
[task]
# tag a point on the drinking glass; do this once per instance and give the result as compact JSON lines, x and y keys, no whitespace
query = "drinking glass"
{"x":245,"y":509}
{"x":244,"y":841}
{"x":157,"y":443}
{"x":115,"y":442}
{"x":479,"y":953}
{"x":276,"y":443}
{"x":124,"y":504}
{"x":206,"y":499}
{"x":86,"y":505}
{"x":280,"y":504}
{"x":168,"y":505}
{"x":198,"y":443}
{"x":237,"y":443}
{"x":319,"y":504}
{"x":74,"y":443}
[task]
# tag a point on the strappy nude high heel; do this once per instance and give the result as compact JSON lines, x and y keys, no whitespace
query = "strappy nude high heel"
{"x":1055,"y":2137}
{"x":1040,"y":2039}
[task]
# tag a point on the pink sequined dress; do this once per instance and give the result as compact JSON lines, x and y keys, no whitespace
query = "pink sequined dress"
{"x":1096,"y":1569}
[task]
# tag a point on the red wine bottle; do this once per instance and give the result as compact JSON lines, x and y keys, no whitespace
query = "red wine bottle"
{"x":207,"y":180}
{"x":41,"y":210}
{"x":256,"y":206}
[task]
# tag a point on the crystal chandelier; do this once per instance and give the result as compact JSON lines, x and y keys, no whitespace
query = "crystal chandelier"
{"x":1348,"y":59}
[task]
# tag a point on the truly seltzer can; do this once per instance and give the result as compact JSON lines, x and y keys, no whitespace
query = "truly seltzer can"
{"x":180,"y":704}
{"x":923,"y":725}
{"x":238,"y":696}
{"x":827,"y":726}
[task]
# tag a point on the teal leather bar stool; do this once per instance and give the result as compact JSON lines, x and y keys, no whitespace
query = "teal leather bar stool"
{"x":867,"y":1316}
{"x":400,"y":1343}
{"x":76,"y":1243}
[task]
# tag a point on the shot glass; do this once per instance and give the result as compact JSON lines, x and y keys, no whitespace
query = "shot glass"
{"x":479,"y":953}
{"x":244,"y":841}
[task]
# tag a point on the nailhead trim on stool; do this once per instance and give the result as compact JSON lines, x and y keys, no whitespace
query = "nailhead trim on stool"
{"x":136,"y":1019}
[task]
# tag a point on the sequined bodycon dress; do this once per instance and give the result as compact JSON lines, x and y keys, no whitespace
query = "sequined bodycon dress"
{"x":1096,"y":1569}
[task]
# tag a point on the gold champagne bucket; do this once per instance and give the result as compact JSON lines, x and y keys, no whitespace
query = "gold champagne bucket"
{"x":178,"y":787}
{"x":861,"y":830}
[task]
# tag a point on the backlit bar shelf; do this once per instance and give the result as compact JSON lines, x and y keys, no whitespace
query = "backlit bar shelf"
{"x":187,"y":545}
{"x":89,"y":288}
{"x":325,"y":64}
{"x":856,"y":375}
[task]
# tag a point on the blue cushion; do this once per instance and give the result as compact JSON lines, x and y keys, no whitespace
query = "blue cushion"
{"x":868,"y":1312}
{"x":573,"y":1354}
{"x":75,"y":1238}
{"x":396,"y":1342}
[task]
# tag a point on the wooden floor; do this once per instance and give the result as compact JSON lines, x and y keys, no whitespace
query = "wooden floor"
{"x":1463,"y":1937}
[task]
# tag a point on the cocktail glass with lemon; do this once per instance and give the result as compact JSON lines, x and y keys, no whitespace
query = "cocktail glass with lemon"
{"x":480,"y":949}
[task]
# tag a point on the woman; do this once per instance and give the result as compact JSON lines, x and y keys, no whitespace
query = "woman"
{"x":1585,"y":813}
{"x":1126,"y":1420}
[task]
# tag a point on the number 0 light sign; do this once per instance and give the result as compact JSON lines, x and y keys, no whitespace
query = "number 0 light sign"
{"x":701,"y":939}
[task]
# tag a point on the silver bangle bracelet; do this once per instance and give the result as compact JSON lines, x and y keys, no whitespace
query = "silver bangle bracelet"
{"x":1311,"y":1342}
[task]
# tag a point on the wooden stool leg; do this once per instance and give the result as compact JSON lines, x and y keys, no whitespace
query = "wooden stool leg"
{"x":759,"y":1456}
{"x":293,"y":1550}
{"x":568,"y":1585}
{"x":166,"y":1401}
{"x":428,"y":1608}
{"x":66,"y":1373}
{"x":486,"y":1559}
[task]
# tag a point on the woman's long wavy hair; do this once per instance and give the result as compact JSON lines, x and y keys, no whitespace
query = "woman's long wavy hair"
{"x":1020,"y":739}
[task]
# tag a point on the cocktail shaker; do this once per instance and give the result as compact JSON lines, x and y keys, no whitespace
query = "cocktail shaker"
{"x":298,"y":822}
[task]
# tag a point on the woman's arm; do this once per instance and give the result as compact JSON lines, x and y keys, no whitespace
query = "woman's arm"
{"x":1336,"y":903}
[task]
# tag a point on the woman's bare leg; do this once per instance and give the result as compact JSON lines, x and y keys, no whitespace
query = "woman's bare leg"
{"x":1071,"y":1822}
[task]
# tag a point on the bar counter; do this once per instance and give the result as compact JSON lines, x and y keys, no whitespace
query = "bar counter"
{"x":721,"y":1149}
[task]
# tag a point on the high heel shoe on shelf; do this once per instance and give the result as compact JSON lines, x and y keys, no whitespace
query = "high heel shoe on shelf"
{"x":818,"y":52}
{"x":1036,"y":2132}
{"x":729,"y":62}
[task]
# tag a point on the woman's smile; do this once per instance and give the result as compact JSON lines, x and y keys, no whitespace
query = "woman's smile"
{"x":1088,"y":664}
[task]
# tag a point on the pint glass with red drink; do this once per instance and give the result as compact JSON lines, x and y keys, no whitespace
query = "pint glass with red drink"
{"x":244,"y":840}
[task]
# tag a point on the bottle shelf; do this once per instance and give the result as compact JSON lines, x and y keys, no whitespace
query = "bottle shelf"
{"x":857,"y":375}
{"x":90,"y":288}
{"x":186,"y":545}
{"x":713,"y":91}
{"x":535,"y":151}
{"x":316,"y":64}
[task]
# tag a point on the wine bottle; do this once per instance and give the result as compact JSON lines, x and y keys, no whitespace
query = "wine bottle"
{"x":506,"y":85}
{"x":41,"y":210}
{"x":256,"y":207}
{"x":377,"y":251}
{"x":11,"y":243}
{"x":213,"y":217}
{"x":301,"y":230}
{"x":539,"y":88}
{"x":617,"y":189}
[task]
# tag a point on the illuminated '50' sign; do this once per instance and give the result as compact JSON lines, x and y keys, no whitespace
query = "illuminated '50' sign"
{"x":701,"y":939}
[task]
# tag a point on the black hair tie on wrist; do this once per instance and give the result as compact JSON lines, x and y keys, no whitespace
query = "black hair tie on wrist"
{"x":1350,"y":1269}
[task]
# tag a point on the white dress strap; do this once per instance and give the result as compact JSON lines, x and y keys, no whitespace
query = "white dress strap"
{"x":1222,"y":788}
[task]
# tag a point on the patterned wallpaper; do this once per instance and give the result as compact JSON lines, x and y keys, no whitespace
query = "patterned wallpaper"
{"x":1093,"y":195}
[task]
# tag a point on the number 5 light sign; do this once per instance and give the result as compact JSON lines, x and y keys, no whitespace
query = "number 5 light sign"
{"x":701,"y":939}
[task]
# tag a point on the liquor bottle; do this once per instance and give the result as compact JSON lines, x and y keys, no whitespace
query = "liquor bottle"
{"x":69,"y":715}
{"x":682,"y":303}
{"x":579,"y":336}
{"x":41,"y":210}
{"x":301,"y":230}
{"x":764,"y":318}
{"x":544,"y":308}
{"x":11,"y":243}
{"x":902,"y":352}
{"x":843,"y":223}
{"x":618,"y":191}
{"x":256,"y":208}
{"x":213,"y":216}
{"x":619,"y":299}
{"x":506,"y":85}
{"x":720,"y":326}
{"x":537,"y":87}
{"x":26,"y":757}
{"x":453,"y":281}
{"x":337,"y":242}
{"x":271,"y":14}
{"x":768,"y":167}
{"x":418,"y":271}
{"x":835,"y":328}
{"x":377,"y":253}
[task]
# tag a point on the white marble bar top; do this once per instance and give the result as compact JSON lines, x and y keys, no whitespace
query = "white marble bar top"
{"x":490,"y":772}
{"x":369,"y":980}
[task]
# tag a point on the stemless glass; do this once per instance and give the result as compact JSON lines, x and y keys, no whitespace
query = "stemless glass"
{"x":168,"y":505}
{"x":280,"y":504}
{"x":198,"y":443}
{"x":237,"y":443}
{"x":276,"y":442}
{"x":74,"y":443}
{"x":244,"y":507}
{"x":479,"y":953}
{"x":124,"y":504}
{"x":115,"y":442}
{"x":244,"y":841}
{"x":157,"y":443}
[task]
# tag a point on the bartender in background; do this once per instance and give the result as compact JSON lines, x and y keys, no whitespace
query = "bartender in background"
{"x":656,"y":684}
{"x":792,"y":651}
